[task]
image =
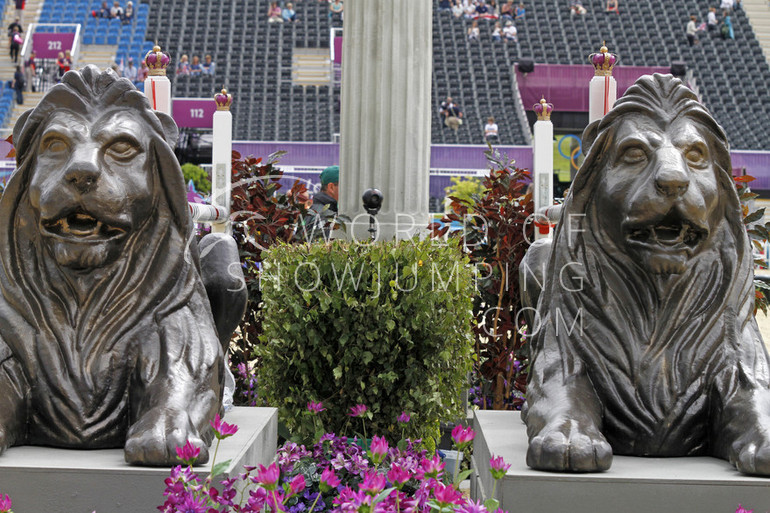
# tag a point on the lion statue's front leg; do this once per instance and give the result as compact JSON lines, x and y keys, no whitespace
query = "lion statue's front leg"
{"x":14,"y":392}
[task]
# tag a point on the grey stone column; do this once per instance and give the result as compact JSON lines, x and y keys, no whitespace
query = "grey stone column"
{"x":387,"y":62}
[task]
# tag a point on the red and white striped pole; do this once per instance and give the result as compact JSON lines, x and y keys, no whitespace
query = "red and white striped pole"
{"x":603,"y":89}
{"x":542,"y":165}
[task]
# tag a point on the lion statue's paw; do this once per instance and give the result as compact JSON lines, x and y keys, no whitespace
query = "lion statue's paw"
{"x":152,"y":440}
{"x":569,"y":447}
{"x":751,"y":454}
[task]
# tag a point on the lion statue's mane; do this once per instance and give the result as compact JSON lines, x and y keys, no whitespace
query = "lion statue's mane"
{"x":84,"y":360}
{"x":664,"y":353}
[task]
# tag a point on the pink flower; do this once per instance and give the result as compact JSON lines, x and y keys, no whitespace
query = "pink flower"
{"x":472,"y":507}
{"x":358,"y":410}
{"x":329,"y":480}
{"x":740,"y":509}
{"x":275,"y":500}
{"x":373,"y":484}
{"x":498,"y":467}
{"x":430,"y":468}
{"x":5,"y":503}
{"x":379,"y":449}
{"x":315,"y":407}
{"x":188,"y":453}
{"x":462,"y":436}
{"x":222,"y":429}
{"x":404,"y":417}
{"x":267,"y":477}
{"x":446,"y":495}
{"x":297,"y":484}
{"x":398,"y":476}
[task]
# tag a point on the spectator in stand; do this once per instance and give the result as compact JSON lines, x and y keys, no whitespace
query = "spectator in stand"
{"x":183,"y":68}
{"x":444,"y":5}
{"x":209,"y":66}
{"x":104,"y":12}
{"x":727,"y":26}
{"x":288,"y":13}
{"x":116,"y":11}
{"x":457,"y":9}
{"x":576,"y":8}
{"x":711,"y":19}
{"x":520,"y":12}
{"x":16,"y":41}
{"x":510,"y":31}
{"x":195,"y":68}
{"x":737,"y":5}
{"x":63,"y":65}
{"x":18,"y":85}
{"x":15,"y":24}
{"x":30,"y":71}
{"x":508,"y":11}
{"x":336,"y":10}
{"x":452,"y":114}
{"x":129,"y":14}
{"x":473,"y":31}
{"x":483,"y":11}
{"x":274,"y":13}
{"x":490,"y":130}
{"x":142,"y":74}
{"x":726,"y":5}
{"x":470,"y":11}
{"x":691,"y":31}
{"x":612,"y":6}
{"x":130,"y":71}
{"x":497,"y":32}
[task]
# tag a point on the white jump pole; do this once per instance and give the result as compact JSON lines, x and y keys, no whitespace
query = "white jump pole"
{"x":542,"y":164}
{"x":221,"y":157}
{"x":157,"y":87}
{"x":603,"y":89}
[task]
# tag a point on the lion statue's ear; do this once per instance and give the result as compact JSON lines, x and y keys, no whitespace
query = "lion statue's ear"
{"x":589,"y":136}
{"x":170,"y":129}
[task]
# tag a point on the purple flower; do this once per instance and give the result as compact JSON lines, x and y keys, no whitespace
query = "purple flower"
{"x":358,"y":410}
{"x":329,"y":480}
{"x":222,"y":429}
{"x":379,"y":449}
{"x":430,"y":468}
{"x":472,"y":507}
{"x":5,"y":503}
{"x":192,"y":504}
{"x":498,"y":467}
{"x":398,"y":476}
{"x":315,"y":407}
{"x":741,"y":509}
{"x":404,"y":417}
{"x":188,"y":453}
{"x":446,"y":495}
{"x":463,"y":436}
{"x":297,"y":485}
{"x":267,"y":477}
{"x":373,"y":483}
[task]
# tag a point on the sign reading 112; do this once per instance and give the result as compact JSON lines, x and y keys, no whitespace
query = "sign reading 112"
{"x":196,"y":113}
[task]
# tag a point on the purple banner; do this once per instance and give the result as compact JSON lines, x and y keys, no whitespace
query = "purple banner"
{"x":566,"y":86}
{"x":47,"y":45}
{"x":193,"y":112}
{"x":338,"y":50}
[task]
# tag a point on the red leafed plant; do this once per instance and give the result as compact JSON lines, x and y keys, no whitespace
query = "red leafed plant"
{"x":759,"y":234}
{"x":495,"y":231}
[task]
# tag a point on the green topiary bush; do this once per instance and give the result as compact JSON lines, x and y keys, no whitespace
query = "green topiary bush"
{"x":388,"y":325}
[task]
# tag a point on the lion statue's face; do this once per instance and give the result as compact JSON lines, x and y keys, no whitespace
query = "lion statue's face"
{"x":659,"y":192}
{"x":91,"y":185}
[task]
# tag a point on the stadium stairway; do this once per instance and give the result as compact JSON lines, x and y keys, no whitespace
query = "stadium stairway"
{"x":758,"y":13}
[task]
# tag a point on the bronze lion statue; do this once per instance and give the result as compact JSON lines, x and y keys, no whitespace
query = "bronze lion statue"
{"x":646,"y":342}
{"x":107,"y":334}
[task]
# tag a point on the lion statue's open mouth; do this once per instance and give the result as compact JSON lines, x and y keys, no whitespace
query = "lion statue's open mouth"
{"x":656,"y":352}
{"x":82,"y":226}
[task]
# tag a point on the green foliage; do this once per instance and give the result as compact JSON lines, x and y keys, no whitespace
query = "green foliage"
{"x":199,"y":176}
{"x":464,"y":188}
{"x":386,"y":325}
{"x":759,"y":233}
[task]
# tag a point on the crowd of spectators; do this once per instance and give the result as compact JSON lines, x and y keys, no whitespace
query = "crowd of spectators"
{"x":116,"y":12}
{"x":713,"y":26}
{"x":503,"y":15}
{"x":196,"y":68}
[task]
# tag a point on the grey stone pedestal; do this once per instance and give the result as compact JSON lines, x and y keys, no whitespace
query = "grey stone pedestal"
{"x":632,"y":485}
{"x":46,"y":480}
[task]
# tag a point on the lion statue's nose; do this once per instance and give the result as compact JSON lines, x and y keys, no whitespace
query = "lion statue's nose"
{"x":671,"y":181}
{"x":82,"y":178}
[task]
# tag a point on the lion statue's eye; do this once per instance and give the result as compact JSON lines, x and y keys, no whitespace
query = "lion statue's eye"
{"x":695,"y":156}
{"x":122,"y":150}
{"x":55,"y":145}
{"x":634,"y":155}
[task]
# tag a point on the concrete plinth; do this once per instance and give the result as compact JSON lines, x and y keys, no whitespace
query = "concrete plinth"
{"x":632,"y":485}
{"x":42,"y":479}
